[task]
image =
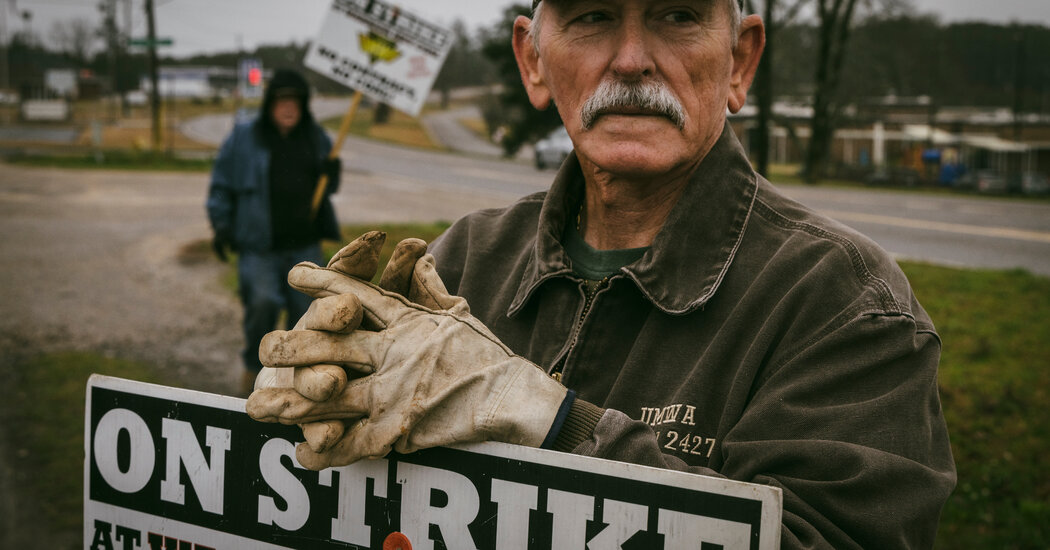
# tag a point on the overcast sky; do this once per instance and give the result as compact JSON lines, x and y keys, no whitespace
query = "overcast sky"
{"x":222,"y":25}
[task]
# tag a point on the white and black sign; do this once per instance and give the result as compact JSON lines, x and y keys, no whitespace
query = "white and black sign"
{"x":168,"y":468}
{"x":381,"y":51}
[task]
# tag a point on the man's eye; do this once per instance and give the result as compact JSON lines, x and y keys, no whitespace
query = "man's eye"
{"x":680,"y":16}
{"x":593,"y":17}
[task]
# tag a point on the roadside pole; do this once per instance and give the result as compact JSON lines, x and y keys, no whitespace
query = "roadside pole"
{"x":344,"y":129}
{"x":154,"y":96}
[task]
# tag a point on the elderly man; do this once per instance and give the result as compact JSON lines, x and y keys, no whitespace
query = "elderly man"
{"x":661,"y":304}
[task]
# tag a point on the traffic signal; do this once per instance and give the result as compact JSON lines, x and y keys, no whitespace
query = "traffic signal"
{"x":250,"y":78}
{"x":255,"y":76}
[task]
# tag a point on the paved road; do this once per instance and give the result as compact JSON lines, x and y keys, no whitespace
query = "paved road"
{"x":444,"y":127}
{"x":981,"y":232}
{"x":964,"y":231}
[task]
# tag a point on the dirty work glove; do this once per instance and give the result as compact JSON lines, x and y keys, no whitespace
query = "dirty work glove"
{"x":358,"y":259}
{"x":410,"y":272}
{"x":435,"y":376}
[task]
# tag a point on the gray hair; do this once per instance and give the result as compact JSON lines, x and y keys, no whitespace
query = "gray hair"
{"x":735,"y":17}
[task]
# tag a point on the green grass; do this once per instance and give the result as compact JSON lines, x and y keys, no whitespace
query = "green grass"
{"x":49,"y":426}
{"x":994,"y":379}
{"x":400,"y":129}
{"x":115,"y":160}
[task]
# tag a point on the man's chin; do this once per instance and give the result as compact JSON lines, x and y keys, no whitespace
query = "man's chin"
{"x":630,"y":159}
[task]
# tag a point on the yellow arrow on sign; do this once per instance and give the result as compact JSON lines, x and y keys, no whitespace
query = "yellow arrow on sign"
{"x":378,"y":47}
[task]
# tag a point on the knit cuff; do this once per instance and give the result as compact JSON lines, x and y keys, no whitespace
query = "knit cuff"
{"x":559,"y":419}
{"x":578,"y":426}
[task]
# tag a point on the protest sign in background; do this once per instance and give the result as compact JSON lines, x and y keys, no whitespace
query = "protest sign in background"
{"x":375,"y":48}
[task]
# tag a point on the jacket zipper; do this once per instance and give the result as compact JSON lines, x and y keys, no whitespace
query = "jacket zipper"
{"x":589,"y":294}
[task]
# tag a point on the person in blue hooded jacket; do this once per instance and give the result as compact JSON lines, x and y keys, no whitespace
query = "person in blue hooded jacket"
{"x":260,"y":206}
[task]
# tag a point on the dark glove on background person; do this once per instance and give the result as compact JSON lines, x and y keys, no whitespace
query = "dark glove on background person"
{"x":222,"y":246}
{"x":332,"y":168}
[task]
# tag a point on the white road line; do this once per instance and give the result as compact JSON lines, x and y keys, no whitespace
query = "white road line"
{"x":991,"y":231}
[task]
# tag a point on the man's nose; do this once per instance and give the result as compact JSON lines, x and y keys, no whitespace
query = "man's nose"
{"x":633,"y":60}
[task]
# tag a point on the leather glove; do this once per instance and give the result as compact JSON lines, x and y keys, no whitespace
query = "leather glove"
{"x":220,"y":244}
{"x":358,"y":259}
{"x":433,"y":376}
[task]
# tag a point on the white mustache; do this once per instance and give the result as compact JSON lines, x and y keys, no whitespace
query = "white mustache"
{"x":649,"y":95}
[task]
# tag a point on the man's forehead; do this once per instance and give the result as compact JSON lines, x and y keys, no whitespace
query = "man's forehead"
{"x":537,"y":2}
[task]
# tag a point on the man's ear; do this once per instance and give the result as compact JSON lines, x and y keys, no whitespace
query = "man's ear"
{"x":529,"y":64}
{"x":748,"y":52}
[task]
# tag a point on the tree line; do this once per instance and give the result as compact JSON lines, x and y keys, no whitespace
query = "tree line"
{"x":832,"y":54}
{"x":828,"y":54}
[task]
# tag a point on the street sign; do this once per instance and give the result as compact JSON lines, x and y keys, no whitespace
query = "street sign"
{"x":145,"y":42}
{"x":380,"y":50}
{"x":168,"y":467}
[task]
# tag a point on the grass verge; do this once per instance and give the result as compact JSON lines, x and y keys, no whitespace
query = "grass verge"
{"x":994,"y":380}
{"x":400,"y":129}
{"x":115,"y":160}
{"x":49,"y":426}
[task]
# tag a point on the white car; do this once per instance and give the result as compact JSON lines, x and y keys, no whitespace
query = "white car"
{"x":1034,"y":183}
{"x":551,"y":151}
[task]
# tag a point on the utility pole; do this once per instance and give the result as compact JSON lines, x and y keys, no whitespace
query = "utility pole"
{"x":125,"y":108}
{"x":112,"y":43}
{"x":1020,"y":67}
{"x":154,"y":95}
{"x":5,"y":71}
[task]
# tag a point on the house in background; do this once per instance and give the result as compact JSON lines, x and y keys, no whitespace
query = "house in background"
{"x":910,"y":141}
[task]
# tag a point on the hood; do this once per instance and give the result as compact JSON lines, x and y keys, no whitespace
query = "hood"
{"x":285,"y":83}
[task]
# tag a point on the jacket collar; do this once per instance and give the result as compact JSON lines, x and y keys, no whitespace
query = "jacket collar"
{"x":690,"y":255}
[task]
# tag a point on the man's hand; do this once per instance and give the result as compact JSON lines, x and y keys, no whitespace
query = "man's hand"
{"x":221,"y":245}
{"x":332,"y":168}
{"x":428,"y":373}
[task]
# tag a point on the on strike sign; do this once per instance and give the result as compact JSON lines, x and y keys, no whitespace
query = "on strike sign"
{"x":168,"y":468}
{"x":381,"y":51}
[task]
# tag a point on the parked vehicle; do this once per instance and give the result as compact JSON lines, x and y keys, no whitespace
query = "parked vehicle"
{"x":551,"y":151}
{"x":893,"y":176}
{"x":1034,"y":183}
{"x":983,"y":181}
{"x":989,"y":181}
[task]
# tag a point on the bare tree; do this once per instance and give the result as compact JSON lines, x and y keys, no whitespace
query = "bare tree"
{"x":775,"y":14}
{"x":834,"y":22}
{"x":74,"y":37}
{"x":834,"y":25}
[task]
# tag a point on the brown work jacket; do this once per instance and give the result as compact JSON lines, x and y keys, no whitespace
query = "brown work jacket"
{"x":755,"y":339}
